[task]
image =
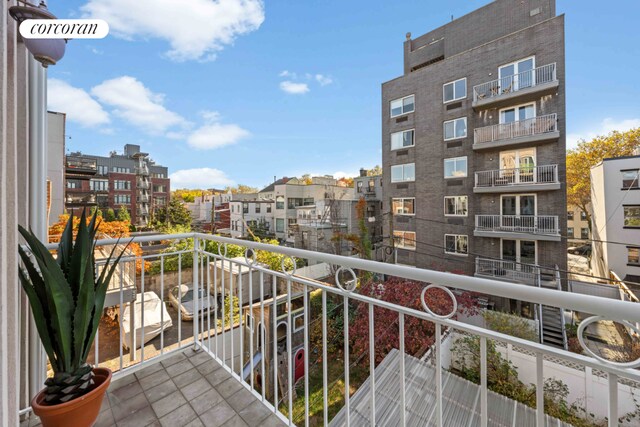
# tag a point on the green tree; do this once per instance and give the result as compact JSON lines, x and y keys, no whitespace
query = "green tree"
{"x":376,"y":170}
{"x":588,"y":154}
{"x":96,"y":211}
{"x":123,"y":214}
{"x":176,"y":213}
{"x":109,"y":215}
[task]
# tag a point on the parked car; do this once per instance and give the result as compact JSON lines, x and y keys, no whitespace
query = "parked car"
{"x":156,"y":319}
{"x":181,"y":297}
{"x":584,"y":250}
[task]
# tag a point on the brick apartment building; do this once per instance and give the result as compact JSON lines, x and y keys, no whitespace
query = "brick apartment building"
{"x":474,"y":145}
{"x":130,"y":179}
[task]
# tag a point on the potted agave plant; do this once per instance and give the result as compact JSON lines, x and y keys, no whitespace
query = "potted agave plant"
{"x":67,"y":295}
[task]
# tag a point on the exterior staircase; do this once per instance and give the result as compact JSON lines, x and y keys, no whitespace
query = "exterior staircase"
{"x":552,"y":318}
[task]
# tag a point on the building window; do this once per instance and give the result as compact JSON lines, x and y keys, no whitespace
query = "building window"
{"x":72,"y":183}
{"x":122,"y":199}
{"x":455,"y":90}
{"x":405,"y":239}
{"x":516,"y":114}
{"x":118,"y":169}
{"x":630,"y":179}
{"x":404,"y":206}
{"x":159,"y":189}
{"x":121,"y":185}
{"x":403,"y":173}
{"x":269,"y":208}
{"x":569,"y":215}
{"x":158,"y":175}
{"x":103,"y":170}
{"x":280,"y":202}
{"x":455,"y":168}
{"x":245,"y":208}
{"x":517,"y":75}
{"x":632,"y":216}
{"x":359,"y":185}
{"x":583,"y":216}
{"x":455,"y":206}
{"x":633,"y":255}
{"x":294,"y":202}
{"x":402,"y":106}
{"x":279,"y":225}
{"x":584,"y":233}
{"x":257,"y":207}
{"x":570,"y":233}
{"x":308,"y":201}
{"x":402,"y":139}
{"x":456,"y":128}
{"x":99,"y":185}
{"x":159,"y":201}
{"x":456,"y":244}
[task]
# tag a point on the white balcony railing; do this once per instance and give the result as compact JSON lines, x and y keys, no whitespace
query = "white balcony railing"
{"x":546,"y":174}
{"x":534,"y":224}
{"x":510,"y":270}
{"x":505,"y":131}
{"x":283,"y":349}
{"x":510,"y":84}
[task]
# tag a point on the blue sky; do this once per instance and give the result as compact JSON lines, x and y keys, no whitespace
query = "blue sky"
{"x":290,"y":87}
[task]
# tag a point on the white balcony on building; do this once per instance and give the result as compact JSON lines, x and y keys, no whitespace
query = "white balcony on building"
{"x":533,"y":130}
{"x":527,"y":178}
{"x":513,"y":88}
{"x":536,"y":227}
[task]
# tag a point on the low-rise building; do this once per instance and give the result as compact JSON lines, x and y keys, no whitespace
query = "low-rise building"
{"x":615,"y":199}
{"x":577,"y":226}
{"x":251,"y":215}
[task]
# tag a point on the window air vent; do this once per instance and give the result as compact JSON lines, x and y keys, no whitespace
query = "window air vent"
{"x":454,"y":144}
{"x":402,"y":153}
{"x":455,"y":221}
{"x":402,"y":119}
{"x":453,"y":182}
{"x":402,"y":186}
{"x":454,"y":105}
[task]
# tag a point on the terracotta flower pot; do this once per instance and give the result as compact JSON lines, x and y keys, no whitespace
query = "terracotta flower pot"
{"x":83,"y":411}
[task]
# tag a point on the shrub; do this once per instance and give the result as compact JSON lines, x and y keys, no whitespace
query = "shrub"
{"x":510,"y":324}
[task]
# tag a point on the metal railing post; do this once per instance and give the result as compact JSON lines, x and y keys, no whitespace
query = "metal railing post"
{"x":196,"y":292}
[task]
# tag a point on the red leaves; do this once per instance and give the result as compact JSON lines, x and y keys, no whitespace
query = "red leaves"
{"x":419,"y":333}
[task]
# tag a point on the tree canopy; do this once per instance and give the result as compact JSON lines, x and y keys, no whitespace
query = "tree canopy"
{"x":176,"y":213}
{"x":588,"y":154}
{"x":241,"y":189}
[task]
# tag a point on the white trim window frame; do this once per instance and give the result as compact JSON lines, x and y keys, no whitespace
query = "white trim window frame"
{"x":460,"y":204}
{"x":401,"y":238}
{"x":403,"y":207}
{"x":518,"y":259}
{"x":518,"y":200}
{"x":460,"y":241}
{"x":515,"y":109}
{"x":455,"y":161}
{"x":403,"y":105}
{"x":402,"y":139}
{"x":406,"y":169}
{"x":456,"y":124}
{"x":516,"y":72}
{"x":294,"y":321}
{"x":454,"y":86}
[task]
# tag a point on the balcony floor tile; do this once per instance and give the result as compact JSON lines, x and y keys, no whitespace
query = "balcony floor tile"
{"x":208,"y":396}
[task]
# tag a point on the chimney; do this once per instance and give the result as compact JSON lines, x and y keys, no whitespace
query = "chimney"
{"x":363,"y":172}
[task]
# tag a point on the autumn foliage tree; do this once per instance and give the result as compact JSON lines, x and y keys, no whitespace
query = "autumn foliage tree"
{"x":106,"y":229}
{"x":419,"y":333}
{"x":588,"y":154}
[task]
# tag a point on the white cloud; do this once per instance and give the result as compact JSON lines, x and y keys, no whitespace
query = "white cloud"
{"x":199,"y":178}
{"x":194,"y":29}
{"x":79,"y":106}
{"x":606,"y":126}
{"x":214,"y":134}
{"x":288,"y":74}
{"x":323,"y":80}
{"x":136,"y":104}
{"x":294,"y":88}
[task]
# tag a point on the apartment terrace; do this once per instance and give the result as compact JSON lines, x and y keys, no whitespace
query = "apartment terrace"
{"x":515,"y":88}
{"x":281,"y":361}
